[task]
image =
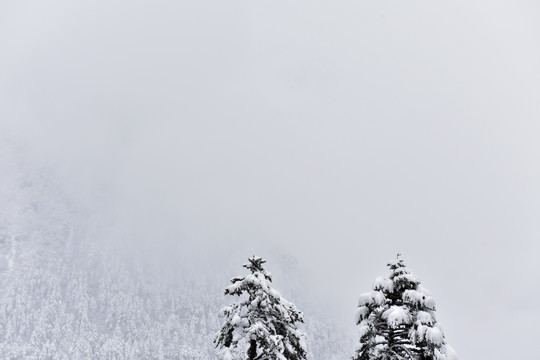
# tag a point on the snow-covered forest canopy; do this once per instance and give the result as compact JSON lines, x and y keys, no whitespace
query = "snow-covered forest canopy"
{"x":148,"y":148}
{"x":66,"y":296}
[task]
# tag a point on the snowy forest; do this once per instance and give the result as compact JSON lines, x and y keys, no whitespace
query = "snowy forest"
{"x":64,"y":297}
{"x":234,"y":180}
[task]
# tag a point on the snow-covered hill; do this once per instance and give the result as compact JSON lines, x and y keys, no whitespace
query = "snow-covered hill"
{"x":69,"y":290}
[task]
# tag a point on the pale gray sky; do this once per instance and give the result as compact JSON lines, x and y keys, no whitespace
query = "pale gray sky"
{"x":340,"y":132}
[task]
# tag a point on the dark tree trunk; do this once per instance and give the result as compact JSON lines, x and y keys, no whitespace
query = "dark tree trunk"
{"x":252,"y":352}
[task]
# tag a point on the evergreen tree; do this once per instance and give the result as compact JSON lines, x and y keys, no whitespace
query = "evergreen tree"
{"x":261,"y":322}
{"x":397,"y":320}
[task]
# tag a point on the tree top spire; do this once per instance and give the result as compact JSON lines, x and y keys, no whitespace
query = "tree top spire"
{"x":255,"y":264}
{"x":397,"y":263}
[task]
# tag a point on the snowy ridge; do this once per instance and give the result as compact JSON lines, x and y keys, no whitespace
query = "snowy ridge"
{"x":67,"y":296}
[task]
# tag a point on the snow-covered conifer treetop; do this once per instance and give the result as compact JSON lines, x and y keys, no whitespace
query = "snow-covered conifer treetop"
{"x":396,"y":320}
{"x":262,"y":325}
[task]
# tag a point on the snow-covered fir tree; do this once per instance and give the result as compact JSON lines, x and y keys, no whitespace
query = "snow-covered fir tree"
{"x":261,"y":325}
{"x":397,"y":320}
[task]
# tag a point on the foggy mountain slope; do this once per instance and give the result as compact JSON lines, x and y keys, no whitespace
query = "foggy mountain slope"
{"x":336,"y":132}
{"x":68,"y":295}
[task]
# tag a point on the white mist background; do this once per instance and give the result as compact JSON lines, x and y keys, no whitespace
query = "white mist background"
{"x":337,"y":133}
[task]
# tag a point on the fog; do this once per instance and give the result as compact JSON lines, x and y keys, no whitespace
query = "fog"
{"x":337,"y":134}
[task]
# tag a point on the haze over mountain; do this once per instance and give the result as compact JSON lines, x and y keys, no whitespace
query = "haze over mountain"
{"x":74,"y":288}
{"x":148,"y":148}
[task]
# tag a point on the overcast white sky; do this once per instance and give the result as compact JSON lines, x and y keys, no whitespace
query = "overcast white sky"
{"x":339,"y":132}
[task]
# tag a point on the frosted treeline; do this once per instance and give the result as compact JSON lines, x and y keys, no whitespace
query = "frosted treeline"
{"x":65,"y":295}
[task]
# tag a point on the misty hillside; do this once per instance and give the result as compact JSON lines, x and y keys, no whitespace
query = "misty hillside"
{"x":149,"y":148}
{"x":71,"y":291}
